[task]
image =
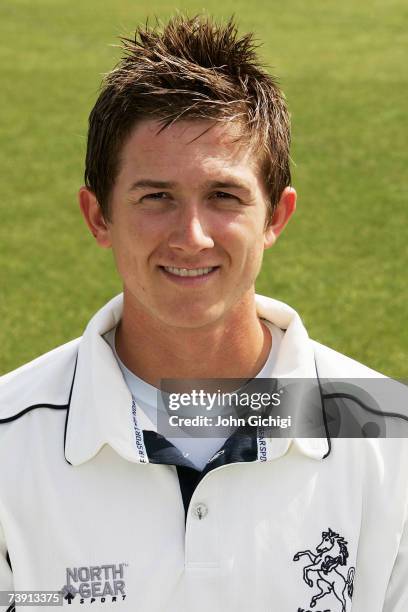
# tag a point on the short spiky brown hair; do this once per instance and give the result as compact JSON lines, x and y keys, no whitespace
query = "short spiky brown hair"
{"x":190,"y":68}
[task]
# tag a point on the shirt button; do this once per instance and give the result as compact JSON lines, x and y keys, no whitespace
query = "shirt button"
{"x":200,"y":510}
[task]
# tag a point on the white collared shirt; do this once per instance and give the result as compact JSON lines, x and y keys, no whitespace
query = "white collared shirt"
{"x":92,"y":504}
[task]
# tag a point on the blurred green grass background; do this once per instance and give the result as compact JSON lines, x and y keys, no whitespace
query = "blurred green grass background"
{"x":342,"y":262}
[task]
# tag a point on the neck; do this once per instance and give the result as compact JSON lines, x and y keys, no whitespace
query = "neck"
{"x":235,"y":347}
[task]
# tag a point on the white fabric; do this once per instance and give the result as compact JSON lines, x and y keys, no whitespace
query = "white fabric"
{"x":108,"y":516}
{"x":198,"y":450}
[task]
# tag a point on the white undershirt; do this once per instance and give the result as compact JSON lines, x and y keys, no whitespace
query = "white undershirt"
{"x":197,"y":450}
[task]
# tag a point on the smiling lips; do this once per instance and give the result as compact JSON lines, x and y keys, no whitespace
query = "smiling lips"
{"x":189,"y":272}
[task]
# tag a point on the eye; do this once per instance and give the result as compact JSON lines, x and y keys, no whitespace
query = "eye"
{"x":160,"y":195}
{"x":223,"y":196}
{"x":226,"y":200}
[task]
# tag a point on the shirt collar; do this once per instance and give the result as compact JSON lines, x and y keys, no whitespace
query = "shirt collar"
{"x":100,"y":410}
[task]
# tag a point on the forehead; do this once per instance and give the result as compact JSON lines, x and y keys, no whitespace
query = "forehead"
{"x":187,"y":147}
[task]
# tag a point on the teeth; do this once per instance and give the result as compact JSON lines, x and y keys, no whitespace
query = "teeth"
{"x":186,"y":272}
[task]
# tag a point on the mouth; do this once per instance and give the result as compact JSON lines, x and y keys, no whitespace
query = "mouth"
{"x":188,"y":271}
{"x":189,"y":275}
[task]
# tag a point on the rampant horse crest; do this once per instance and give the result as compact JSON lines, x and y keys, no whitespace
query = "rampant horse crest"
{"x":330,"y":554}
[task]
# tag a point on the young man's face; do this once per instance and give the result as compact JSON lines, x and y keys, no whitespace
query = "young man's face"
{"x":187,"y":225}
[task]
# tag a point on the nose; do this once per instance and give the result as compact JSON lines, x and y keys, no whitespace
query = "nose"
{"x":190,"y":234}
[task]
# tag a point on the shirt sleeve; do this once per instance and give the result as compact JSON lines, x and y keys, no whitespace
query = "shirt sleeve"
{"x":6,"y":576}
{"x":396,"y":598}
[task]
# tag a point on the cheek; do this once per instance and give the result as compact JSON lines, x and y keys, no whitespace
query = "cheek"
{"x":248,"y":243}
{"x":134,"y":239}
{"x":253,"y":258}
{"x":256,"y":257}
{"x":126,"y":251}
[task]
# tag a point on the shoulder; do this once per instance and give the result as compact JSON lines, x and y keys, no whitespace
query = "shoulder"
{"x":45,"y":380}
{"x":365,"y":402}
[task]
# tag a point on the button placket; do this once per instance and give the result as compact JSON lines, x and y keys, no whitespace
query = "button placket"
{"x":201,"y":535}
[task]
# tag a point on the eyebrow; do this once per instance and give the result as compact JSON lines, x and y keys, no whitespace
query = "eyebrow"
{"x":148,"y":183}
{"x":143,"y":183}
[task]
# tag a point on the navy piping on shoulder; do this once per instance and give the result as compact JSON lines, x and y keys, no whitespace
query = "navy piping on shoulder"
{"x":53,"y":406}
{"x":34,"y":406}
{"x":29,"y":408}
{"x":363,"y":405}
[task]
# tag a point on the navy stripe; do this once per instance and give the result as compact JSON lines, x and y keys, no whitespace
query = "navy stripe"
{"x":44,"y":405}
{"x":363,"y":405}
{"x":33,"y":407}
{"x":188,"y":481}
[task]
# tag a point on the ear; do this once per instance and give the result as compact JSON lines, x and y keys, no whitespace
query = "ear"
{"x":94,"y":218}
{"x":283,"y":212}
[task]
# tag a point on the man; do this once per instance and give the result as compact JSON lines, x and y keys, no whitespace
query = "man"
{"x":188,"y":181}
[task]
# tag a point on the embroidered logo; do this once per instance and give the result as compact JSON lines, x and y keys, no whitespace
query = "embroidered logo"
{"x":103,"y":583}
{"x":331,"y":554}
